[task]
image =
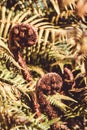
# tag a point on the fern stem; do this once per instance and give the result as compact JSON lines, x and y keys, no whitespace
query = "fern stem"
{"x":25,"y":71}
{"x":30,"y":19}
{"x":8,"y":23}
{"x":3,"y":18}
{"x":24,"y":15}
{"x":15,"y":19}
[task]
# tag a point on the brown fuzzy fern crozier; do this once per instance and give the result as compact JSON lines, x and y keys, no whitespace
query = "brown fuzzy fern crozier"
{"x":69,"y":78}
{"x":49,"y":84}
{"x":22,"y":35}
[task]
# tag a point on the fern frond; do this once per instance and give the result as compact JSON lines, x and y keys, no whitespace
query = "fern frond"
{"x":70,"y":3}
{"x":8,"y":23}
{"x":3,"y":11}
{"x":59,"y":24}
{"x":55,"y":5}
{"x":82,"y":9}
{"x":57,"y":100}
{"x":7,"y":55}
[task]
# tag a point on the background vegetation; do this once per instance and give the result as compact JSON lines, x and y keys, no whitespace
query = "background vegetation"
{"x":62,"y":41}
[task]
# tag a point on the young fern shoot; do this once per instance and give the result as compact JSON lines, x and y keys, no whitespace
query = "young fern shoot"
{"x":22,"y":35}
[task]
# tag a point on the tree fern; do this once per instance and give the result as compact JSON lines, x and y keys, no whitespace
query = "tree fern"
{"x":61,"y":28}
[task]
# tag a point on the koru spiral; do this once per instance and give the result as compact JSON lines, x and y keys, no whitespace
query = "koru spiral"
{"x":20,"y":36}
{"x":50,"y":84}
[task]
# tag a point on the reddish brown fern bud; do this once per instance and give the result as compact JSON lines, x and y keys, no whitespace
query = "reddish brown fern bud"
{"x":50,"y":82}
{"x":22,"y":35}
{"x":47,"y":85}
